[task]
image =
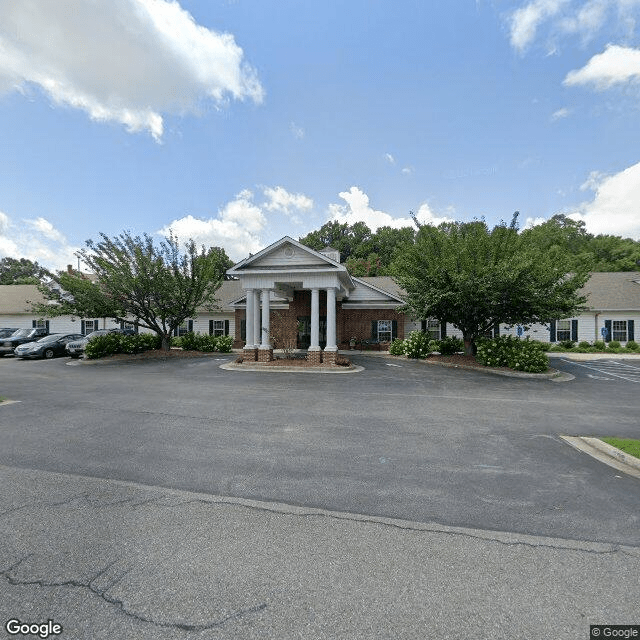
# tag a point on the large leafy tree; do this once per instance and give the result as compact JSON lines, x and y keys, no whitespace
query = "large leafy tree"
{"x":346,"y":238}
{"x":476,"y":278}
{"x":159,"y":284}
{"x":21,"y":271}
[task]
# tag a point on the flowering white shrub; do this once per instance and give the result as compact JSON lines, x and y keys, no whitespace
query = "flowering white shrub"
{"x":418,"y":345}
{"x":508,"y":351}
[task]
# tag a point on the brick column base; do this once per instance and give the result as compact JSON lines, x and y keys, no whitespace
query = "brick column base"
{"x":315,"y":357}
{"x":250,"y":355}
{"x":265,"y":355}
{"x":329,"y":357}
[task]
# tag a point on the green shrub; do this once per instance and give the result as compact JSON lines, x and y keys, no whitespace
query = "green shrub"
{"x":189,"y":341}
{"x":449,"y":345}
{"x":224,"y":344}
{"x":418,"y":345}
{"x":614,"y":344}
{"x":584,"y":345}
{"x":632,"y":345}
{"x":113,"y":343}
{"x":567,"y":344}
{"x":543,"y":346}
{"x":600,"y":345}
{"x":397,"y":347}
{"x":509,"y":351}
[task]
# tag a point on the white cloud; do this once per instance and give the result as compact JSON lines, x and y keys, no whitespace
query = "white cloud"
{"x":560,"y":113}
{"x":35,"y":240}
{"x":526,"y":20}
{"x":358,"y":209}
{"x":407,"y":171}
{"x":570,"y":17}
{"x":615,"y":65}
{"x":297,"y":131}
{"x":534,"y":222}
{"x":279,"y":199}
{"x":126,"y":61}
{"x":389,"y":158}
{"x":236,"y":228}
{"x":615,"y":208}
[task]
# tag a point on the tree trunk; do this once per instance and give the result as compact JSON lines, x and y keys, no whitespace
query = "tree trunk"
{"x":469,"y":347}
{"x":166,"y":342}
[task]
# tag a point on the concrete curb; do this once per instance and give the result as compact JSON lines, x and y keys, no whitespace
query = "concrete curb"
{"x":593,"y":356}
{"x":604,"y":452}
{"x":232,"y":366}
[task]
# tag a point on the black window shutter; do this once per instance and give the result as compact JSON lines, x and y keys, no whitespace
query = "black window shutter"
{"x":175,"y":332}
{"x":552,"y":331}
{"x":574,"y":330}
{"x":226,"y":327}
{"x":96,"y":324}
{"x":496,"y":331}
{"x":190,"y":326}
{"x":607,"y":326}
{"x":423,"y":326}
{"x":374,"y":329}
{"x":34,"y":323}
{"x":394,"y":329}
{"x":210,"y":327}
{"x":630,"y":333}
{"x":243,"y":330}
{"x":82,"y":327}
{"x":443,"y":330}
{"x":46,"y":324}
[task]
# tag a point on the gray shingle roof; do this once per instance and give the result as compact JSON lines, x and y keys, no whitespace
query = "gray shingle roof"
{"x":14,"y":298}
{"x":613,"y":291}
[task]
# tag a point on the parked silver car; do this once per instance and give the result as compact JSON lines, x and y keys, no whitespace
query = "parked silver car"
{"x":47,"y":347}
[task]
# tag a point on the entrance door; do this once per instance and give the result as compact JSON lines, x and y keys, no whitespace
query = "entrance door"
{"x":304,"y":332}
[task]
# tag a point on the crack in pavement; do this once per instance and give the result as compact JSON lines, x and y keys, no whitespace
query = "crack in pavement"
{"x":117,"y":602}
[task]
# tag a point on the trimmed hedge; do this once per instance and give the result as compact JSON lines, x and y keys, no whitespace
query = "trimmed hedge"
{"x":111,"y":343}
{"x":203,"y":342}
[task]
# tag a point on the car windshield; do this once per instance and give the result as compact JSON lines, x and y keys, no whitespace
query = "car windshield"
{"x":21,"y":333}
{"x":99,"y":332}
{"x":51,"y":338}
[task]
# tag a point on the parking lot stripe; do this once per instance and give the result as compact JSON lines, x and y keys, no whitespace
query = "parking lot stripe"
{"x":610,"y":368}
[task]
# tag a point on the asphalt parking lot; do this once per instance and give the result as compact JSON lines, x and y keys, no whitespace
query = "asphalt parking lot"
{"x":400,"y":439}
{"x":168,"y":500}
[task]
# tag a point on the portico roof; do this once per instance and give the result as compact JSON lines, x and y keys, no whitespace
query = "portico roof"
{"x":289,"y":262}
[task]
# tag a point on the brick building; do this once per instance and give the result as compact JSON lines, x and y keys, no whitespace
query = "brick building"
{"x":296,"y":298}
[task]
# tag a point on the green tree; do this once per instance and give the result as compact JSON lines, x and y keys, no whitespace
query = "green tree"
{"x":343,"y":237}
{"x":160,"y":285}
{"x":476,"y":278}
{"x":76,"y":294}
{"x":22,"y":271}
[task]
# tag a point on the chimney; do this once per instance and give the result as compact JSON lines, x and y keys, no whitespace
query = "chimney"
{"x":69,"y":269}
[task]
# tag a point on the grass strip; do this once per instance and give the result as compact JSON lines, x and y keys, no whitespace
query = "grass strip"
{"x":628,"y":445}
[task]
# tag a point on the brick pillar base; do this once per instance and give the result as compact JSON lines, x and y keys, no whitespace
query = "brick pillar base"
{"x":250,"y":355}
{"x":329,"y":357}
{"x":315,"y":357}
{"x":265,"y":355}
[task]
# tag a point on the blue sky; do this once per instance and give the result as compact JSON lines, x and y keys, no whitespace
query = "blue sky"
{"x":236,"y":122}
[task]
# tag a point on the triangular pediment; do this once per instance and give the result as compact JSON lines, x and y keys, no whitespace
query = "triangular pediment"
{"x":286,"y":254}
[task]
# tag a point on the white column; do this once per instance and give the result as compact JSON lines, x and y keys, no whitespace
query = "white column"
{"x":331,"y":320}
{"x":250,"y":342}
{"x":315,"y":320}
{"x":265,"y":320}
{"x":256,"y":318}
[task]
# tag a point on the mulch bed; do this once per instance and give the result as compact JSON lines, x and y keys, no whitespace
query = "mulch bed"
{"x":294,"y":362}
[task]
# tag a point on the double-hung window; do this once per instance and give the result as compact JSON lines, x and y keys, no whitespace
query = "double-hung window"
{"x":384,"y":330}
{"x":563,"y":330}
{"x":433,"y":329}
{"x":619,"y":330}
{"x":218,"y":328}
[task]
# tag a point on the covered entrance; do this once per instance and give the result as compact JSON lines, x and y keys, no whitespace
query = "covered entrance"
{"x":275,"y":277}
